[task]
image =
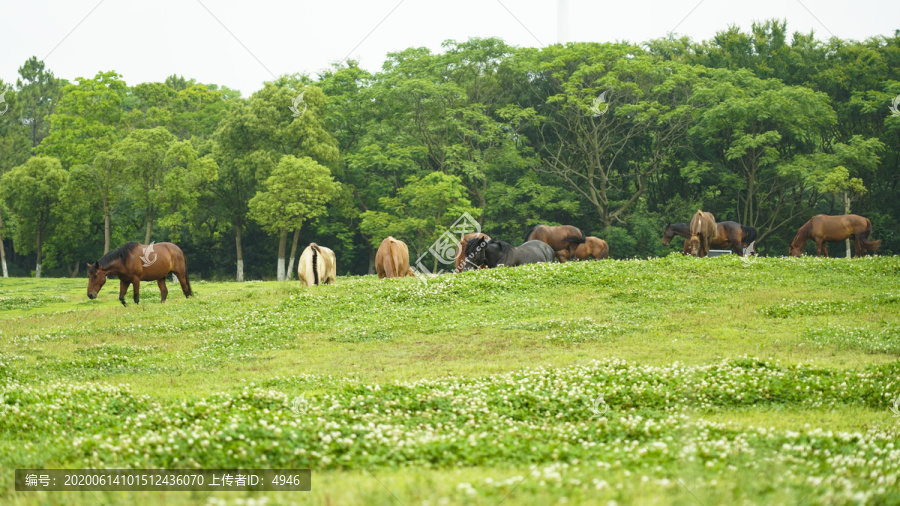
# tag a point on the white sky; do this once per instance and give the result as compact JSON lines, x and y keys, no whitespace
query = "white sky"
{"x":149,"y":40}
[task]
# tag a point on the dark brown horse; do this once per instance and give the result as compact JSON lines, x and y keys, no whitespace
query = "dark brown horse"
{"x":562,"y":237}
{"x":593,"y":247}
{"x":133,"y":263}
{"x":703,"y":230}
{"x":460,"y":258}
{"x":823,"y":228}
{"x":729,"y":234}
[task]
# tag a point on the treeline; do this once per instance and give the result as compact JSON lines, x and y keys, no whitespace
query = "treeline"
{"x":615,"y":138}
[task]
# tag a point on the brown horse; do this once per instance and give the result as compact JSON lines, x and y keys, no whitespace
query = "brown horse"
{"x":703,"y":230}
{"x":562,"y":237}
{"x":392,"y":259}
{"x":133,"y":263}
{"x":823,"y":228}
{"x":460,"y":258}
{"x":729,"y":234}
{"x":593,"y":247}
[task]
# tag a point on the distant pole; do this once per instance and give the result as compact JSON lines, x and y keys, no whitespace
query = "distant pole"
{"x":562,"y":21}
{"x":847,"y":211}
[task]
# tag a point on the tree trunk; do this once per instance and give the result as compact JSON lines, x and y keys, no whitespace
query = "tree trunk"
{"x":282,"y":245}
{"x":240,"y":252}
{"x":37,"y":269}
{"x":293,"y":253}
{"x":73,"y":271}
{"x":106,"y":231}
{"x":2,"y":249}
{"x":847,"y":211}
{"x":149,"y":228}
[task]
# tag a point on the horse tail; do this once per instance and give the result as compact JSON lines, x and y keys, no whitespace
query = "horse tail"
{"x":750,"y":235}
{"x":187,"y":282}
{"x":315,"y":262}
{"x":864,"y":238}
{"x":387,"y":261}
{"x":528,"y":234}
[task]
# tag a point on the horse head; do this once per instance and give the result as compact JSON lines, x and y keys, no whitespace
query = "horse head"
{"x":475,"y":251}
{"x":668,"y":234}
{"x":96,"y":279}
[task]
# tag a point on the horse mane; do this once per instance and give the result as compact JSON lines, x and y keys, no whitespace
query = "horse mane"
{"x":121,"y":253}
{"x":804,"y":231}
{"x":528,"y":234}
{"x":505,"y":247}
{"x":473,"y":245}
{"x":680,"y":229}
{"x":750,"y":234}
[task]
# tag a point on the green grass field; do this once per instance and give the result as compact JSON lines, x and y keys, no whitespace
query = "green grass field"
{"x":665,"y":381}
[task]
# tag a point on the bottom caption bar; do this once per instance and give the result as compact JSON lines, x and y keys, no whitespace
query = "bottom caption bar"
{"x":144,"y":480}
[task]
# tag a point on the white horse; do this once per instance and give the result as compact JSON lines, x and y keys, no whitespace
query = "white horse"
{"x":317,"y":265}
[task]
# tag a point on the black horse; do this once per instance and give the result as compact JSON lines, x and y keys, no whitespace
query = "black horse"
{"x":493,"y":253}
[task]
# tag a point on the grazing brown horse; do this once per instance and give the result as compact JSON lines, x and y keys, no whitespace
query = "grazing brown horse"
{"x":392,"y":259}
{"x":703,"y":230}
{"x":593,"y":247}
{"x":823,"y":228}
{"x":729,"y":234}
{"x":134,"y":263}
{"x":460,"y":259}
{"x":562,"y":237}
{"x":317,"y":265}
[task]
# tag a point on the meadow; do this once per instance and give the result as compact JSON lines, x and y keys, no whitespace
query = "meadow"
{"x":663,"y":381}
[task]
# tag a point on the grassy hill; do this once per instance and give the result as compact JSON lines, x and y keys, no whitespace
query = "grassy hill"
{"x":664,"y":381}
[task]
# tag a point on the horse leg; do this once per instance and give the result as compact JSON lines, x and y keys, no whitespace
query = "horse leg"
{"x":123,"y":289}
{"x":859,"y":250}
{"x":163,"y":291}
{"x":137,"y":290}
{"x":737,"y":247}
{"x":185,"y":283}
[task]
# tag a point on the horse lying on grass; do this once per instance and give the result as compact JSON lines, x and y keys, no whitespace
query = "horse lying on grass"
{"x":493,"y":253}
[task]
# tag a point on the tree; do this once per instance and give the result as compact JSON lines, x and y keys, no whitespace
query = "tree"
{"x":256,"y":134}
{"x":39,"y":92}
{"x":32,"y":193}
{"x":103,"y":183}
{"x":762,"y":134}
{"x":165,"y":175}
{"x":839,"y":182}
{"x":14,"y":148}
{"x":86,"y":120}
{"x":296,"y":192}
{"x":421,"y":211}
{"x":610,"y":118}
